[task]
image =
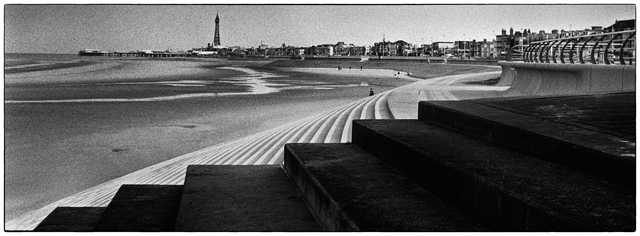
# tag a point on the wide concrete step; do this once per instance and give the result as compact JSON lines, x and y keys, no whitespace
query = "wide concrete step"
{"x":230,"y":198}
{"x":71,"y":219}
{"x":141,"y":208}
{"x":350,"y":190}
{"x":503,"y":189}
{"x":563,"y":130}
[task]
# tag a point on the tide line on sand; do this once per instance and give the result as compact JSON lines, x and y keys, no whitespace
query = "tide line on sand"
{"x":253,"y":79}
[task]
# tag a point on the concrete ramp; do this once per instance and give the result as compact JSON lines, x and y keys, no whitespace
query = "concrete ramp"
{"x":539,"y":79}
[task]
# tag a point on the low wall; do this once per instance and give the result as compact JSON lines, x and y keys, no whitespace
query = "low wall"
{"x":566,"y":79}
{"x":334,"y":58}
{"x":474,"y":62}
{"x":412,"y":59}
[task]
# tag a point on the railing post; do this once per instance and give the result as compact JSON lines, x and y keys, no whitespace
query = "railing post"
{"x":555,"y":50}
{"x":593,"y":51}
{"x":606,"y":49}
{"x":535,"y":55}
{"x":545,"y":52}
{"x":622,"y":49}
{"x":573,"y":50}
{"x":562,"y":50}
{"x":582,"y":49}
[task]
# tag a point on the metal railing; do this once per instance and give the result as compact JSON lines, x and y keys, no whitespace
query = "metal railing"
{"x":615,"y":48}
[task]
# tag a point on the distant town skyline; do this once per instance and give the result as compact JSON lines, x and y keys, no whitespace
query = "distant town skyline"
{"x":70,"y":28}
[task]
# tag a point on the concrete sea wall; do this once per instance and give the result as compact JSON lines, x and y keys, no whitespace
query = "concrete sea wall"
{"x":563,"y":79}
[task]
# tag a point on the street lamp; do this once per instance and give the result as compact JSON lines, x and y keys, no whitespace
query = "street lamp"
{"x":570,"y":31}
{"x":431,"y":47}
{"x":464,"y":52}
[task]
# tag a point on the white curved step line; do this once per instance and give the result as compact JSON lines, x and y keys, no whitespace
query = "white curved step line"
{"x":366,"y":113}
{"x":333,"y":136}
{"x":268,"y":155}
{"x":381,"y":109}
{"x":346,"y":132}
{"x":273,"y":139}
{"x":322,"y":131}
{"x":253,"y":148}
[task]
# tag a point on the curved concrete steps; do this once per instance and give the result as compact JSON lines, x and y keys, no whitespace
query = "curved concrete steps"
{"x":258,"y":149}
{"x":265,"y":147}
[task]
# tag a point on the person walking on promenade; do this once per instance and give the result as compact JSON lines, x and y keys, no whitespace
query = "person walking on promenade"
{"x":370,"y":91}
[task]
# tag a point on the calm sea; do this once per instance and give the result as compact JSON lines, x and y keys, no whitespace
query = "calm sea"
{"x":16,"y":59}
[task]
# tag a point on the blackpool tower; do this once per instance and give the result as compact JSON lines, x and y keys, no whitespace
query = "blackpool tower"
{"x":216,"y":37}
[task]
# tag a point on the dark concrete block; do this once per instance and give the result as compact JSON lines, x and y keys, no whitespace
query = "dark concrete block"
{"x":230,"y":198}
{"x":350,"y":190}
{"x":141,"y":208}
{"x":71,"y":219}
{"x":504,"y":189}
{"x":544,"y":127}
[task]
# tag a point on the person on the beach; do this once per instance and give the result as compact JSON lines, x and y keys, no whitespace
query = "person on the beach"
{"x":360,"y":67}
{"x":371,"y":92}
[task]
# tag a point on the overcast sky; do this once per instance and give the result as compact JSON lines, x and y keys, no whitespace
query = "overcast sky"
{"x":69,"y":28}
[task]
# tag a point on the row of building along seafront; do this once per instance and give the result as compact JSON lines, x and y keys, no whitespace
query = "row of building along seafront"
{"x":495,"y":48}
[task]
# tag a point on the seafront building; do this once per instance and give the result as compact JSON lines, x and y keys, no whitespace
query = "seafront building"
{"x":497,"y":48}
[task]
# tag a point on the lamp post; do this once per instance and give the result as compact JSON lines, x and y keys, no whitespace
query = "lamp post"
{"x":464,"y":52}
{"x":471,"y":48}
{"x":570,"y":31}
{"x":445,"y":50}
{"x":431,"y":47}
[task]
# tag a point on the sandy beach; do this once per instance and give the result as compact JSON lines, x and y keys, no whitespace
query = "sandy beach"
{"x":54,"y":150}
{"x":356,"y":72}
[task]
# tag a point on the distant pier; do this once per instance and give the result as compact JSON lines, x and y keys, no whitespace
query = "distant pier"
{"x":145,"y":54}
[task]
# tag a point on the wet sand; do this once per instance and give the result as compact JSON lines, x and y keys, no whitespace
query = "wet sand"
{"x":55,"y":150}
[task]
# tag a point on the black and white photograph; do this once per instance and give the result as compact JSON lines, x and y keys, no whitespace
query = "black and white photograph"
{"x":319,"y":117}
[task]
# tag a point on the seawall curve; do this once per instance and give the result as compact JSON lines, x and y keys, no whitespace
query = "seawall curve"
{"x":541,"y":79}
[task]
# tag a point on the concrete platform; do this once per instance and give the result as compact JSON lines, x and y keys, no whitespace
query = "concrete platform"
{"x":141,"y":208}
{"x":350,"y":190}
{"x":232,"y":198}
{"x":71,"y":219}
{"x":612,"y":114}
{"x":592,"y":133}
{"x":504,"y":189}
